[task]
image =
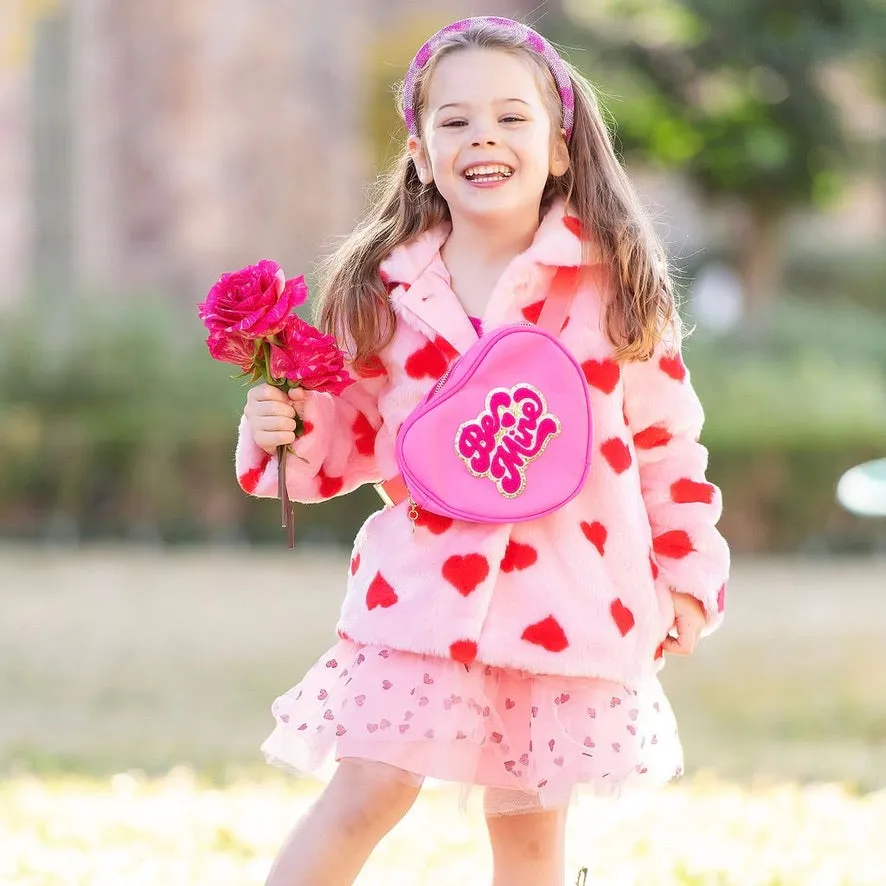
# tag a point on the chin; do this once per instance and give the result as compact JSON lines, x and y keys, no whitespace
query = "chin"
{"x":496,"y":206}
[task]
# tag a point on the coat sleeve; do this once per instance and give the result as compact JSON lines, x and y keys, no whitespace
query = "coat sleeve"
{"x":665,"y":417}
{"x":334,"y":456}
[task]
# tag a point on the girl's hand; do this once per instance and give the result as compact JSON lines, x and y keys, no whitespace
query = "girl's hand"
{"x":270,"y":414}
{"x":688,"y":622}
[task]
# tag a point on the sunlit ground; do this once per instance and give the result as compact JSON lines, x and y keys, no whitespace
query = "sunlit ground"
{"x":115,"y":664}
{"x":175,"y":832}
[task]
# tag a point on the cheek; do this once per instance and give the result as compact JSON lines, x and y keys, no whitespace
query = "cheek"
{"x":441,"y":160}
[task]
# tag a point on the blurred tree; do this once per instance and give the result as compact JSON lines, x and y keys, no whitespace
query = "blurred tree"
{"x":735,"y":96}
{"x":17,"y":21}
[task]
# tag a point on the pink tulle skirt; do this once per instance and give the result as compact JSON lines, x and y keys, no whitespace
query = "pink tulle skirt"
{"x":529,"y":739}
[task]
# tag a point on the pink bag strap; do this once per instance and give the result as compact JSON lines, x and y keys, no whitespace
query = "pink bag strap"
{"x":556,"y":307}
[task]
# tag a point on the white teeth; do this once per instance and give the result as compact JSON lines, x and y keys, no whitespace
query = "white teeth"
{"x":497,"y":169}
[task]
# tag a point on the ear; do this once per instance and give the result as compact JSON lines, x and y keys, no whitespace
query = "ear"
{"x":422,"y":167}
{"x":559,"y":155}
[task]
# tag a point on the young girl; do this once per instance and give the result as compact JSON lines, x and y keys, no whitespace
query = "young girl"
{"x":521,"y":657}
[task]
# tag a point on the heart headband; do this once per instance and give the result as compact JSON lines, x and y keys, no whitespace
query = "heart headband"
{"x":532,"y":39}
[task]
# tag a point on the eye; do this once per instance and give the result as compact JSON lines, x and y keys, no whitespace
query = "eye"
{"x":455,"y":123}
{"x":512,"y":118}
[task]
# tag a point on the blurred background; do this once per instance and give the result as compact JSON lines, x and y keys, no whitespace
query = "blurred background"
{"x":148,"y":611}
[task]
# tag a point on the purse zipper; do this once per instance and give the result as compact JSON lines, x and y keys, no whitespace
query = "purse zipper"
{"x":442,"y":380}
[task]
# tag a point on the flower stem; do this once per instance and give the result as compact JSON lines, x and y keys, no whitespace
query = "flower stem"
{"x":287,"y":518}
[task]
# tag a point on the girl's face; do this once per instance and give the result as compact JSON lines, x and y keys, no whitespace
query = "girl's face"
{"x":487,"y":137}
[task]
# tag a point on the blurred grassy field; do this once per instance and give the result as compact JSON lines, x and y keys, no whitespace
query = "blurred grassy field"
{"x":141,"y":662}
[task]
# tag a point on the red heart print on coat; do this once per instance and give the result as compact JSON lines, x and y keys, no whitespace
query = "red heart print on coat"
{"x":466,"y":572}
{"x":652,"y":437}
{"x":596,"y":534}
{"x":518,"y":556}
{"x":427,"y":362}
{"x":676,"y":544}
{"x":434,"y":523}
{"x":548,"y":634}
{"x":329,"y":486}
{"x":622,"y":616}
{"x":355,"y":564}
{"x":464,"y":651}
{"x":249,"y":479}
{"x":602,"y":374}
{"x":380,"y":593}
{"x":673,"y":366}
{"x":573,"y":224}
{"x":533,"y":312}
{"x":686,"y":491}
{"x":616,"y":452}
{"x":364,"y":435}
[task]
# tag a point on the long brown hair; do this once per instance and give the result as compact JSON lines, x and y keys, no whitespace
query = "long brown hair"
{"x":353,"y":303}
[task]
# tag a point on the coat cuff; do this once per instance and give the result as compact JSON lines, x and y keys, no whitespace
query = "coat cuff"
{"x":706,"y":579}
{"x":257,"y":470}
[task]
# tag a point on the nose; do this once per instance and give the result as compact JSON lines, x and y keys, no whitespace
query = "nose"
{"x":484,"y":134}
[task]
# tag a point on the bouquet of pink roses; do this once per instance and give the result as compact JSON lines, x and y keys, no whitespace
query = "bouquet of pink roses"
{"x":249,"y":315}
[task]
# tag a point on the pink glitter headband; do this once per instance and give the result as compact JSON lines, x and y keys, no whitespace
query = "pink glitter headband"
{"x":532,"y":39}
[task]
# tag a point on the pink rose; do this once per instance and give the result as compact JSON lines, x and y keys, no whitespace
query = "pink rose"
{"x":254,"y":302}
{"x":309,"y":358}
{"x":232,"y":349}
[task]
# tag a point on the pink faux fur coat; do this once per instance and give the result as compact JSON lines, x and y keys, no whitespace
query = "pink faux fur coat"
{"x":583,"y":591}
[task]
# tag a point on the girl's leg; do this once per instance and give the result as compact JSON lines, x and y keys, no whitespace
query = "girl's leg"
{"x":330,"y":845}
{"x":527,"y":847}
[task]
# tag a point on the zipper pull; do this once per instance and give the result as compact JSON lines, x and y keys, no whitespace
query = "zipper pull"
{"x":413,"y":514}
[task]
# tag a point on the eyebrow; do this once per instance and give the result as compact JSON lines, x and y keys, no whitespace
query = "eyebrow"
{"x":468,"y":104}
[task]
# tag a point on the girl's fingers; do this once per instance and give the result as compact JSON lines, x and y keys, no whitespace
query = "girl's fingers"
{"x":686,"y":640}
{"x":673,"y":646}
{"x":266,"y":392}
{"x":278,"y":423}
{"x":273,"y":407}
{"x":270,"y":440}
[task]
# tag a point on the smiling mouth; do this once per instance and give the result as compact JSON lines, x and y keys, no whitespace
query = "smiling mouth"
{"x":488,"y":172}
